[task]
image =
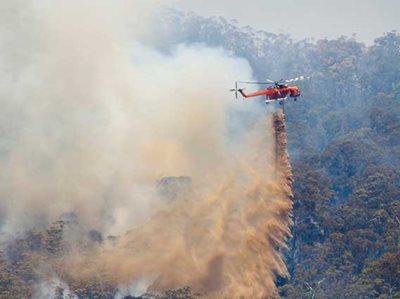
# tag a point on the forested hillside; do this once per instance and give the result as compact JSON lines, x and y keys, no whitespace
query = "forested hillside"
{"x":344,"y":142}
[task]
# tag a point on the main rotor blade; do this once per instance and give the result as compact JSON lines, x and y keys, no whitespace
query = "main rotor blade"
{"x":297,"y":79}
{"x":250,"y":82}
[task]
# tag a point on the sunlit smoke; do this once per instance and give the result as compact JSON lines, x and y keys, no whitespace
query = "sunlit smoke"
{"x":92,"y":119}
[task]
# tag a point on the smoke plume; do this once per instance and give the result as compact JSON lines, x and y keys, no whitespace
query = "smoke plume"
{"x":92,"y":119}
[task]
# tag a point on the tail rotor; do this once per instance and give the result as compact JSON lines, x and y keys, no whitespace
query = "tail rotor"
{"x":235,"y":89}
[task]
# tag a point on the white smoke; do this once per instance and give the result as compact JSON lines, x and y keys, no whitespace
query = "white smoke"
{"x":91,"y":118}
{"x":53,"y":288}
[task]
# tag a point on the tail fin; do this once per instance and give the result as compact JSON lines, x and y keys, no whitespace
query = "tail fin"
{"x":242,"y":93}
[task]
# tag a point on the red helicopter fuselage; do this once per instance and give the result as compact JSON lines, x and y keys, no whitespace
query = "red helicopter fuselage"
{"x":275,"y":92}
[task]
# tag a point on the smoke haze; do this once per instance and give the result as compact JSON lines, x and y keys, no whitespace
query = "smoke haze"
{"x":91,"y":119}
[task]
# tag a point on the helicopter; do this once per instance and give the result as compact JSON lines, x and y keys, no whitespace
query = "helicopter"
{"x":278,"y":91}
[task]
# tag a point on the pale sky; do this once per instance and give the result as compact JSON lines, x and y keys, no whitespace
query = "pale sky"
{"x":306,"y":18}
